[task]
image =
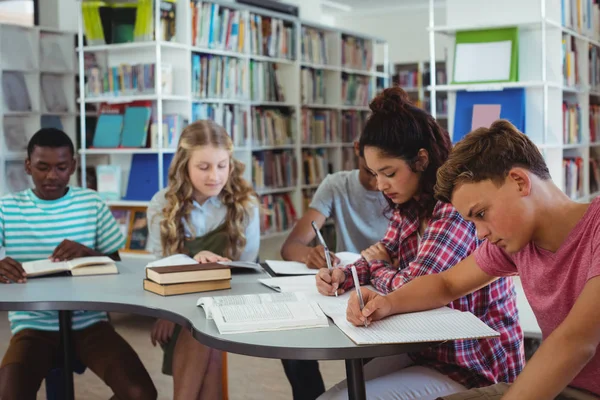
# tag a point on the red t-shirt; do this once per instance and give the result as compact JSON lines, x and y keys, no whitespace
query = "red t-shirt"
{"x":553,"y":281}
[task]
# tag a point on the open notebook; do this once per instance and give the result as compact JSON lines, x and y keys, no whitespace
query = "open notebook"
{"x":263,"y":312}
{"x":436,"y":325}
{"x":77,"y":267}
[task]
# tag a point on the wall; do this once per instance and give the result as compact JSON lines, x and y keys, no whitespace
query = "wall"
{"x":405,"y":30}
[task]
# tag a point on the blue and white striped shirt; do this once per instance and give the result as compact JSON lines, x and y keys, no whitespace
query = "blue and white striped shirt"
{"x":31,"y":228}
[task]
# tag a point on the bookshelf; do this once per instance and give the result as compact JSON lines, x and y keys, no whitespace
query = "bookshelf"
{"x":558,"y":69}
{"x":414,"y":78}
{"x":292,"y":94}
{"x":38,"y":90}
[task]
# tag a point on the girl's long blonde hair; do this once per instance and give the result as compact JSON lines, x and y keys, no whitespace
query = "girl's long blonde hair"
{"x":237,"y":194}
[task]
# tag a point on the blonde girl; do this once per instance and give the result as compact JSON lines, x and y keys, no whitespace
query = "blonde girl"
{"x":210,"y":212}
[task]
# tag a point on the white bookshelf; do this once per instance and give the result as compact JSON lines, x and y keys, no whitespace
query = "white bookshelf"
{"x":540,"y":64}
{"x":44,"y":57}
{"x":183,"y":98}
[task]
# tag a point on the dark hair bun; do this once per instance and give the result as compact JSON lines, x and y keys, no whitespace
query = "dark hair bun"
{"x":392,"y":100}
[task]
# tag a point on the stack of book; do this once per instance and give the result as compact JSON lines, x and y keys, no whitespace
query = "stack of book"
{"x":180,"y":274}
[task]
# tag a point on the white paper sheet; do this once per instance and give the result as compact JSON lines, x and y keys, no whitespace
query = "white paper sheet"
{"x":480,"y":62}
{"x":290,"y":268}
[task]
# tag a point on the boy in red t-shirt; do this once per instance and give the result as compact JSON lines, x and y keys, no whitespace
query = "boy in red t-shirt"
{"x":498,"y":179}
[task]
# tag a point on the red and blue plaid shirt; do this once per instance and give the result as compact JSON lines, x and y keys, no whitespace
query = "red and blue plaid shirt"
{"x":447,"y":240}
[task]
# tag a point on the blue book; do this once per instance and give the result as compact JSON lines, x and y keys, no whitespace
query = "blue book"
{"x":108,"y":131}
{"x":135,"y":126}
{"x":143,"y":176}
{"x":512,"y":102}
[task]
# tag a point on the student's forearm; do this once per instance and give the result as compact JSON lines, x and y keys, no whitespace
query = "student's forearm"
{"x":556,"y":363}
{"x":422,"y":293}
{"x":295,"y":251}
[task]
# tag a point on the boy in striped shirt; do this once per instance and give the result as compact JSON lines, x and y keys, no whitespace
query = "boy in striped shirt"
{"x":60,"y":222}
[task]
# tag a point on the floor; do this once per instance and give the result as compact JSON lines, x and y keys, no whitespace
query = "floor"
{"x":249,"y":378}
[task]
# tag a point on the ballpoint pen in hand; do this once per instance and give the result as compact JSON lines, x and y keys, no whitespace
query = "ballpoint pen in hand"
{"x":327,"y":255}
{"x":361,"y":302}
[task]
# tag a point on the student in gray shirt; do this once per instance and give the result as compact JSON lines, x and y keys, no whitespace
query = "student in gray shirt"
{"x":351,"y":198}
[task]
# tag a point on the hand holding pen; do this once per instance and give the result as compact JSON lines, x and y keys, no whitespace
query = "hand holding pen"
{"x":327,"y":259}
{"x":361,"y":302}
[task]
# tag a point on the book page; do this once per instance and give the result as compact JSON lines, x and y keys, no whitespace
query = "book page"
{"x":305,"y":283}
{"x":176,"y":259}
{"x":290,"y":268}
{"x":268,"y":317}
{"x":440,"y":324}
{"x":42,"y":267}
{"x":88,"y":261}
{"x":209,"y":303}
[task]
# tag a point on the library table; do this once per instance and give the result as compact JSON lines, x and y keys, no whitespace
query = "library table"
{"x":124,"y":293}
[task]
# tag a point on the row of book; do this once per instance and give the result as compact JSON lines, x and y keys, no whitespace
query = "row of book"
{"x":123,"y":125}
{"x":314,"y":46}
{"x":231,"y":117}
{"x":217,"y":27}
{"x":594,"y":174}
{"x":218,"y":77}
{"x":356,"y":90}
{"x":441,"y":104}
{"x":357,"y":53}
{"x":312,"y":86}
{"x":594,"y":123}
{"x":594,"y":67}
{"x":409,"y":79}
{"x":274,"y":169}
{"x":320,"y":126}
{"x":573,"y":175}
{"x":271,"y":37}
{"x":582,"y":16}
{"x":279,"y":213}
{"x":127,"y":79}
{"x":571,"y":76}
{"x":353,"y":123}
{"x":572,"y":124}
{"x":271,"y":127}
{"x":317,"y":163}
{"x":265,"y":82}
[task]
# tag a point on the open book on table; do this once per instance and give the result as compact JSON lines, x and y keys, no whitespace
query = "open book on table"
{"x":183,"y":259}
{"x":263,"y":312}
{"x":100,"y":265}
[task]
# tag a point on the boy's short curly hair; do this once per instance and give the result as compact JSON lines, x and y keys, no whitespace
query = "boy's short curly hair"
{"x":488,"y":153}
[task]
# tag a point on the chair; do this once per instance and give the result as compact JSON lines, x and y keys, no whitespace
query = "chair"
{"x":54,"y":380}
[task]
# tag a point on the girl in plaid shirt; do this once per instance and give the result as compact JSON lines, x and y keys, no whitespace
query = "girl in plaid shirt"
{"x":403,"y":147}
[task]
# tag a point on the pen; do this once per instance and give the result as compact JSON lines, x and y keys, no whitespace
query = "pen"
{"x":327,"y":256}
{"x":361,"y":302}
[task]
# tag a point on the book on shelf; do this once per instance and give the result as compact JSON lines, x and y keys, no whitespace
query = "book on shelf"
{"x":265,"y":82}
{"x":357,"y":53}
{"x":108,"y":182}
{"x":128,"y":79}
{"x":356,"y":90}
{"x":232,"y":117}
{"x":314,"y":46}
{"x":573,"y":177}
{"x":320,"y":126}
{"x":265,"y":312}
{"x":272,"y":127}
{"x":594,"y":123}
{"x":271,"y":37}
{"x":594,"y":175}
{"x":81,"y":266}
{"x":572,"y":123}
{"x":216,"y":26}
{"x":173,"y":124}
{"x":312,"y":86}
{"x":353,"y":123}
{"x":274,"y":169}
{"x":317,"y":163}
{"x":571,"y":75}
{"x":16,"y":92}
{"x":216,"y":77}
{"x":280,"y":213}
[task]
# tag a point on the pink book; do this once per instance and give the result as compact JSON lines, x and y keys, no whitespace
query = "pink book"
{"x":484,"y":115}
